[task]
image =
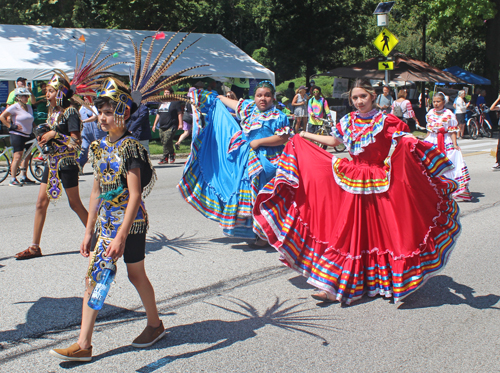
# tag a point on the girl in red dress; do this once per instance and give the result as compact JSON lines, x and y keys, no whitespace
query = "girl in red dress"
{"x":380,"y":223}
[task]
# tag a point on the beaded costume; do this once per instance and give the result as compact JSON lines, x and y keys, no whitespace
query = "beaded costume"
{"x":64,"y":151}
{"x":109,"y":161}
{"x":87,"y":77}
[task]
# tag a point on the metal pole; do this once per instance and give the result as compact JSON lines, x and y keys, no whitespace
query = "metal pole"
{"x":387,"y":77}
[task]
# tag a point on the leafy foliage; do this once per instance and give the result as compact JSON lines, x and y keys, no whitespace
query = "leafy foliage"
{"x":295,"y":38}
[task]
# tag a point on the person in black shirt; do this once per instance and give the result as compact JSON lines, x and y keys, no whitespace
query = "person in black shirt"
{"x":138,"y":125}
{"x":169,"y":118}
{"x":62,"y":139}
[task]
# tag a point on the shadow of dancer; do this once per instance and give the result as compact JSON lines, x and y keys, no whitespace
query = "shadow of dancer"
{"x":441,"y":290}
{"x":177,"y":244}
{"x":221,"y":334}
{"x":53,"y":315}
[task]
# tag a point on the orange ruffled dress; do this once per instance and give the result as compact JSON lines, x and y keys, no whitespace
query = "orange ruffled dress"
{"x":377,"y":224}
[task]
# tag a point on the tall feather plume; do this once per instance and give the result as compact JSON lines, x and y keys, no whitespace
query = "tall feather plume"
{"x":89,"y":75}
{"x":148,"y":82}
{"x":157,"y":59}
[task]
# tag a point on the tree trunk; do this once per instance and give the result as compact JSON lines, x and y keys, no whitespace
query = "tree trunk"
{"x":492,"y":63}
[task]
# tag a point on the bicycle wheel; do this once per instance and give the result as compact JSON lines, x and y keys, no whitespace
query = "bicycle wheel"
{"x":487,"y":129}
{"x":339,"y":148}
{"x":4,"y":167}
{"x":472,"y":128}
{"x":37,"y":165}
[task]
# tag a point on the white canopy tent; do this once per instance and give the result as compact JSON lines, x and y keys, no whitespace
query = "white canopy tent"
{"x":33,"y":51}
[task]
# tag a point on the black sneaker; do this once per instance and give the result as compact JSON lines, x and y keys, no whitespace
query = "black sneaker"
{"x":25,"y":180}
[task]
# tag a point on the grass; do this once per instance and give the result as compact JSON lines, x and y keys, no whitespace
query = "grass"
{"x":155,"y":147}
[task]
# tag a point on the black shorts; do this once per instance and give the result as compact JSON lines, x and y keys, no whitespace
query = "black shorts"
{"x":68,"y":176}
{"x":18,"y":142}
{"x":312,"y":128}
{"x":460,"y":118}
{"x":135,"y":247}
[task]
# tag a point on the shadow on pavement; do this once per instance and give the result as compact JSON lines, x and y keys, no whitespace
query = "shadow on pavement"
{"x":441,"y":290}
{"x":476,"y":197}
{"x":242,"y":244}
{"x":177,"y":244}
{"x":48,"y":315}
{"x":221,"y":334}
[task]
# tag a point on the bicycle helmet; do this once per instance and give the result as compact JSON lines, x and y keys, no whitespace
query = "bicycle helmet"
{"x":22,"y":92}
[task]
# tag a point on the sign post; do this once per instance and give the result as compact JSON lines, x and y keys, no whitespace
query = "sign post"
{"x":385,"y":41}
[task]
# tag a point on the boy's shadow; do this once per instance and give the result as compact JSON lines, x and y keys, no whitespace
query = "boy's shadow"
{"x":221,"y":334}
{"x":51,"y":315}
{"x":441,"y":290}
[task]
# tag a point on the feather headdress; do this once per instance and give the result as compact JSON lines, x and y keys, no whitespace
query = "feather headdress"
{"x":87,"y":77}
{"x":147,"y":82}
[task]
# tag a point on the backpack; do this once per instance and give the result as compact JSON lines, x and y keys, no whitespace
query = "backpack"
{"x":397,"y":111}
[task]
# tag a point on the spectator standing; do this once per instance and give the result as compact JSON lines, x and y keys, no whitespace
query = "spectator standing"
{"x":423,"y":100}
{"x":20,"y":129}
{"x":299,"y":105}
{"x":232,"y":96}
{"x":20,"y":83}
{"x":187,"y":121}
{"x":474,"y":97}
{"x":402,"y":109}
{"x":311,"y":88}
{"x":139,"y":127}
{"x":290,"y":94}
{"x":169,"y":120}
{"x":317,"y":109}
{"x":481,"y":100}
{"x":40,"y":103}
{"x":384,"y":101}
{"x":495,"y":107}
{"x":91,"y":132}
{"x":460,"y":111}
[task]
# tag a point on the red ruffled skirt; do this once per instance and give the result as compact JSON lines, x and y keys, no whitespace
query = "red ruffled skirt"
{"x":386,"y":242}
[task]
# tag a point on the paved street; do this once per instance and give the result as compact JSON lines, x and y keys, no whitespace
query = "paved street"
{"x":229,"y":308}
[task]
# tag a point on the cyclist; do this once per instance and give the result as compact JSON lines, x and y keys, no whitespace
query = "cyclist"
{"x":317,"y":109}
{"x":21,"y":126}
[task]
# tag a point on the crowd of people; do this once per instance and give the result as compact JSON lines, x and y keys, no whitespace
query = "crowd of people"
{"x":349,"y":225}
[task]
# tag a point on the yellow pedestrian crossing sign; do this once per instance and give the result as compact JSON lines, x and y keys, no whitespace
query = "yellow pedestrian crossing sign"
{"x":385,"y":42}
{"x":386,"y":65}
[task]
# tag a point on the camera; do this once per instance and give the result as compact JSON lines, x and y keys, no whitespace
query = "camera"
{"x":39,"y":131}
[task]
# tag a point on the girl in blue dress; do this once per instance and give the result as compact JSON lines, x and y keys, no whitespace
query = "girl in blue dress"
{"x":230,"y":162}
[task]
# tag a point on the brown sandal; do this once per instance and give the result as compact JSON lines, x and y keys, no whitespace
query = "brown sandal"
{"x":30,"y":252}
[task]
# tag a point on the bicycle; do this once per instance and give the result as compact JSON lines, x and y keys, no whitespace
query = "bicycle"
{"x":478,"y":124}
{"x":36,"y":164}
{"x":325,"y":130}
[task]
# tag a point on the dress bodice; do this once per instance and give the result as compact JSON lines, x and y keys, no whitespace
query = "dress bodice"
{"x":256,"y":124}
{"x":368,"y":140}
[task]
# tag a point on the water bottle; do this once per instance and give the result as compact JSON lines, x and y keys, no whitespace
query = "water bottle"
{"x":101,"y":289}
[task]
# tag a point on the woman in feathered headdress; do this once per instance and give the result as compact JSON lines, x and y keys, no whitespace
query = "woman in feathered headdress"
{"x":60,"y":139}
{"x":124,"y":175}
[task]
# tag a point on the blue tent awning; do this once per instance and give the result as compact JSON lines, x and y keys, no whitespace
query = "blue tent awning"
{"x":467,"y":76}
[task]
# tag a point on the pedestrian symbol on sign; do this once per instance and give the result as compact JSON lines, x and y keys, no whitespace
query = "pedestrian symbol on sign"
{"x":385,"y":42}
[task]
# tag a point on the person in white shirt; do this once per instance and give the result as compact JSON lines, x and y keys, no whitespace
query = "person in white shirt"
{"x":460,"y":110}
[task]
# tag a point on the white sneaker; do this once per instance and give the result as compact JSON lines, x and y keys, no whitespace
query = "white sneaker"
{"x":496,"y":167}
